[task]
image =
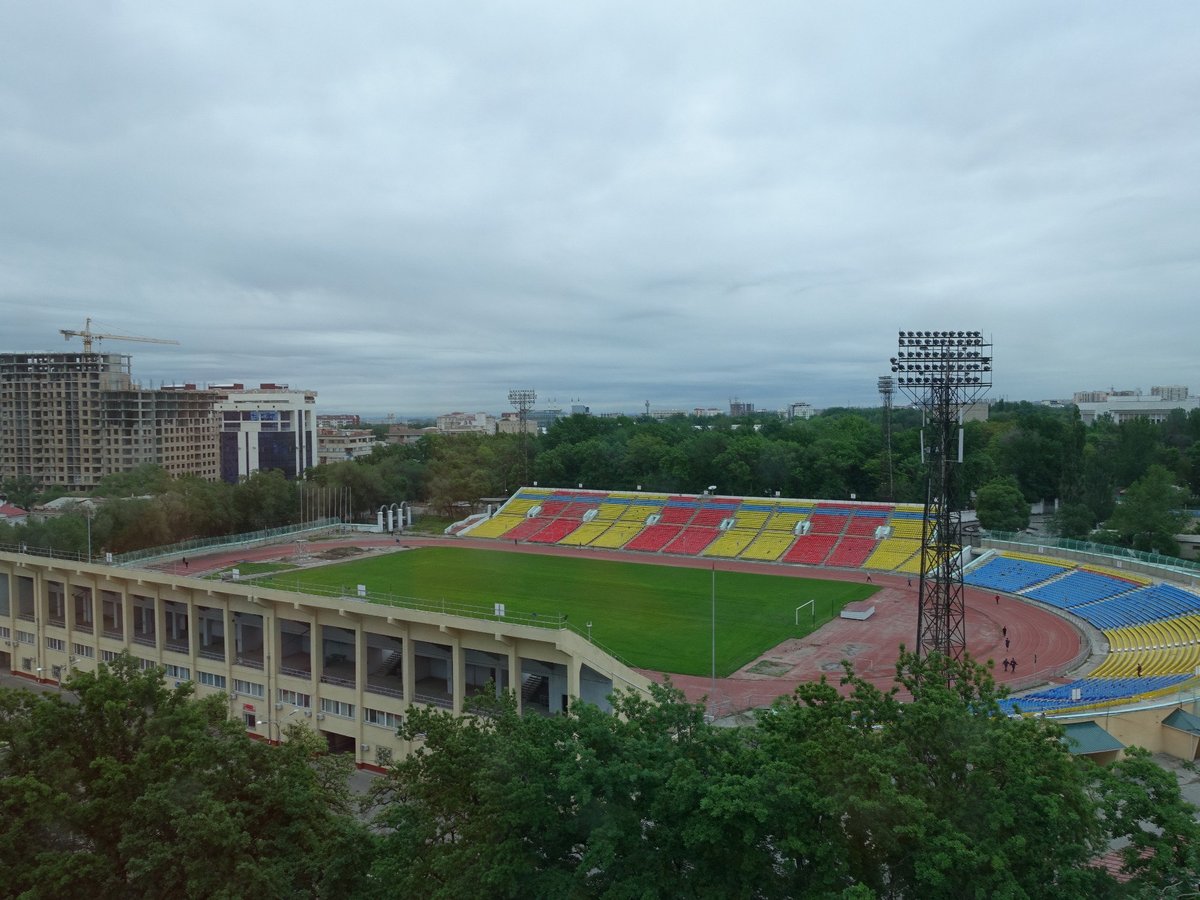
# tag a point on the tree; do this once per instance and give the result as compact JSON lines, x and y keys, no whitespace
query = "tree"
{"x":1001,"y":506}
{"x":1147,"y":519}
{"x":20,"y":491}
{"x":1144,"y":809}
{"x":1074,"y":520}
{"x":141,"y":481}
{"x":926,"y":790}
{"x":265,"y":499}
{"x":140,"y":790}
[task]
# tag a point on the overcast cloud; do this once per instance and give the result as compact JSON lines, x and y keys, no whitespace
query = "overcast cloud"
{"x":412,"y":208}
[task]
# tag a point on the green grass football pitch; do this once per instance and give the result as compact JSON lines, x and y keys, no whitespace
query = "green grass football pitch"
{"x":651,"y":616}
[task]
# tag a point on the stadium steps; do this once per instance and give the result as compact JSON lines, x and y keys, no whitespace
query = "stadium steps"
{"x":531,"y":685}
{"x":389,"y":665}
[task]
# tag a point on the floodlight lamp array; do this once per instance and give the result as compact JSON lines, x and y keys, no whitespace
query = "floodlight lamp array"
{"x":942,"y":339}
{"x":960,"y":359}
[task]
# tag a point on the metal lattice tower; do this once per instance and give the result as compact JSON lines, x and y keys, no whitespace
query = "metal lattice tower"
{"x":522,"y":400}
{"x":943,"y":372}
{"x":887,"y":388}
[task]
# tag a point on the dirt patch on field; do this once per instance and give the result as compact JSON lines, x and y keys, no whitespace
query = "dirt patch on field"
{"x":770,"y":667}
{"x":336,"y":553}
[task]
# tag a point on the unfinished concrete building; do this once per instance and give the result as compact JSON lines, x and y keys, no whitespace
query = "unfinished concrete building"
{"x":71,"y":418}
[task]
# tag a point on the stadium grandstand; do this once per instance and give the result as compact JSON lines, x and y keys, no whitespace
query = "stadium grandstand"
{"x":1148,"y":630}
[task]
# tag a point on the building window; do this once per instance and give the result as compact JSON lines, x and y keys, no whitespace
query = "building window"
{"x":183,"y":673}
{"x":83,"y":650}
{"x":145,"y":664}
{"x":338,"y":708}
{"x":4,"y":632}
{"x":211,"y":680}
{"x":295,"y":698}
{"x":26,"y":637}
{"x":379,"y":717}
{"x":55,"y":644}
{"x":249,"y":688}
{"x":108,"y":655}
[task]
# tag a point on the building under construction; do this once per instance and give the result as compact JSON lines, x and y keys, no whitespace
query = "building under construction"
{"x":72,"y":418}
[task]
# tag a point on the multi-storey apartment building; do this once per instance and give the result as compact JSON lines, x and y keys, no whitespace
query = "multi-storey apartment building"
{"x":71,"y":418}
{"x":344,"y":444}
{"x":466,"y":423}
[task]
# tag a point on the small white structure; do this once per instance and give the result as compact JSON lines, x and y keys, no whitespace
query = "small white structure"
{"x":860,"y":610}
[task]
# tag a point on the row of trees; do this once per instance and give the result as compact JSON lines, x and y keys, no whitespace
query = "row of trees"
{"x":1022,"y":454}
{"x":147,"y":508}
{"x":127,"y":788}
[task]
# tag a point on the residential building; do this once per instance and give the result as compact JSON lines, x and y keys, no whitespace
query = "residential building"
{"x":344,"y":444}
{"x":1129,"y":405}
{"x":801,"y":410}
{"x":269,"y":427}
{"x":466,"y":423}
{"x":1172,"y":392}
{"x":11,"y":514}
{"x":72,"y":418}
{"x":338,"y":420}
{"x":510,"y":423}
{"x":406,"y":434}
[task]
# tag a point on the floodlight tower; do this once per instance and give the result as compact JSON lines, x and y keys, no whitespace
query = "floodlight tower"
{"x":943,"y":372}
{"x":523,"y":400}
{"x":887,"y":388}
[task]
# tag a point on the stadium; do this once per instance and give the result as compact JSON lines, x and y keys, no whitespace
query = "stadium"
{"x":571,"y":593}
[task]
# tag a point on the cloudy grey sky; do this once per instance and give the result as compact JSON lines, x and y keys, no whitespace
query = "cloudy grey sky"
{"x":413,"y":207}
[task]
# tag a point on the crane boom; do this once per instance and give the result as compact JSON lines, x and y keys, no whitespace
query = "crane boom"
{"x":88,"y":336}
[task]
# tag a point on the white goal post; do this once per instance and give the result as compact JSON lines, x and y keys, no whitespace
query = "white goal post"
{"x":812,"y":605}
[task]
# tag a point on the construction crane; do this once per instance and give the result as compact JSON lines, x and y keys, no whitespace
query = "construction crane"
{"x":88,"y":336}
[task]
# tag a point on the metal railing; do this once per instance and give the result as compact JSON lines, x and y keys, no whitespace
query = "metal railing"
{"x":386,"y":691}
{"x":152,"y":554}
{"x":245,"y":539}
{"x":430,"y":700}
{"x":1155,"y":562}
{"x":48,"y":552}
{"x":443,"y":607}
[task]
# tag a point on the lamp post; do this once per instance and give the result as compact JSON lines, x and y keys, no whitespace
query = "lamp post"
{"x":714,"y":641}
{"x":278,"y":724}
{"x":88,"y":517}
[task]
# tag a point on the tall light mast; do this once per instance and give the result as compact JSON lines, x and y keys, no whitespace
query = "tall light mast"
{"x":943,"y":372}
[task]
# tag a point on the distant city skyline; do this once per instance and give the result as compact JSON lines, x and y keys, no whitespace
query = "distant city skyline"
{"x":410,"y":210}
